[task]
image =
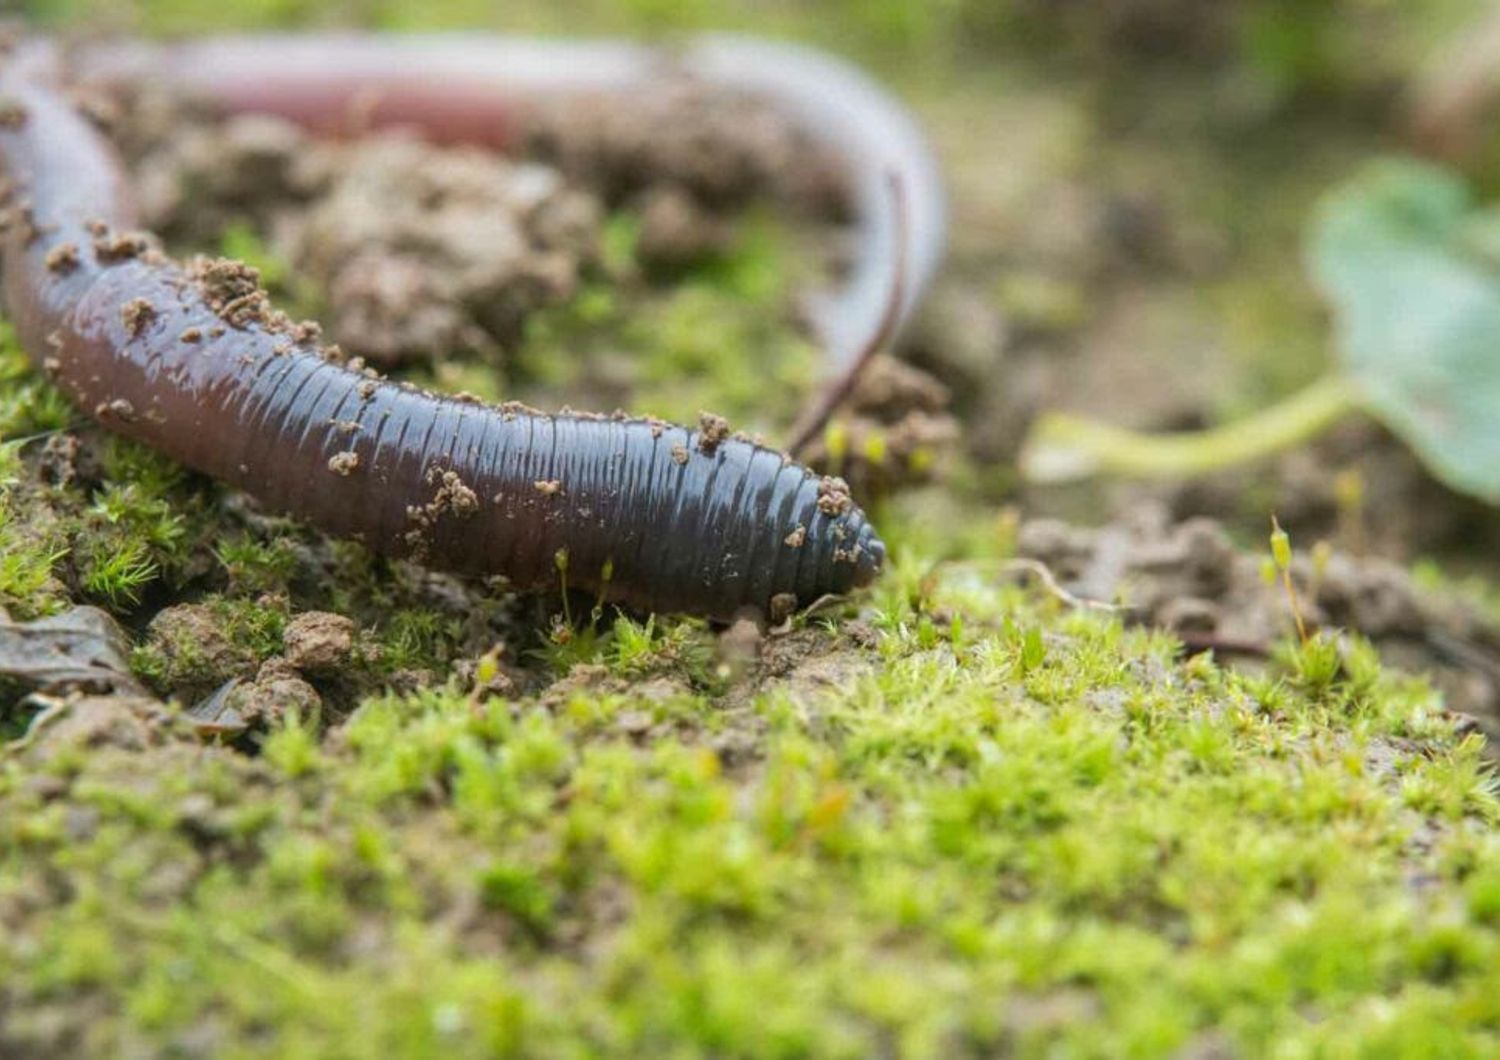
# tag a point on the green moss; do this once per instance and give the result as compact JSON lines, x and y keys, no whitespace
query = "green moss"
{"x":721,"y":337}
{"x":118,"y":536}
{"x":636,"y":649}
{"x":632,"y":649}
{"x":413,"y":639}
{"x":1040,"y":829}
{"x":28,"y":404}
{"x":30,"y":547}
{"x":256,"y":566}
{"x":136,"y":528}
{"x":28,"y":553}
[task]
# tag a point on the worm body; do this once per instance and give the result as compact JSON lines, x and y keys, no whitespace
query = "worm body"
{"x":193,"y":361}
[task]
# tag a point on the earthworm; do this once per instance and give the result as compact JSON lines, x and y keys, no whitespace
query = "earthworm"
{"x":192,"y":360}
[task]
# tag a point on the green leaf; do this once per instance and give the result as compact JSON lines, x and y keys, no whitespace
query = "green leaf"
{"x":1412,"y":269}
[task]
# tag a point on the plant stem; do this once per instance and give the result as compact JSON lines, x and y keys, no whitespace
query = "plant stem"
{"x":1064,"y":448}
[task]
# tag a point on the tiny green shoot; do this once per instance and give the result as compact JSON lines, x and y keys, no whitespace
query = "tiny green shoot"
{"x":1281,"y":555}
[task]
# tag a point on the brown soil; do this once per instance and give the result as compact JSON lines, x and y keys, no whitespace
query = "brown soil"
{"x":419,"y":252}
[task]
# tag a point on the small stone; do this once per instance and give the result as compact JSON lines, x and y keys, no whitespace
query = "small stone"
{"x":318,"y":641}
{"x":276,"y":691}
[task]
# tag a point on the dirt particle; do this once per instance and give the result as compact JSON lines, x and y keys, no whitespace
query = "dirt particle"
{"x":367,"y":389}
{"x":782,"y":606}
{"x":277,"y":690}
{"x":343,"y":463}
{"x":548,"y":487}
{"x":21,"y":218}
{"x":461,"y":500}
{"x":345,"y":426}
{"x":191,"y":335}
{"x":318,"y":641}
{"x":797,"y":538}
{"x":119,"y":408}
{"x":12,"y":114}
{"x":63,"y":258}
{"x":848,"y":555}
{"x":232,"y":290}
{"x":833,"y":496}
{"x":137,"y":314}
{"x":679,"y":454}
{"x":712,"y":430}
{"x":110,"y":248}
{"x":511,"y":409}
{"x":450,"y":495}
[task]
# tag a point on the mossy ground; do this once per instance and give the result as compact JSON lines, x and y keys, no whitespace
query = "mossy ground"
{"x":952,"y":817}
{"x":1023,"y":830}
